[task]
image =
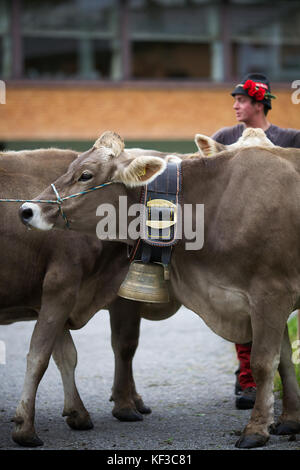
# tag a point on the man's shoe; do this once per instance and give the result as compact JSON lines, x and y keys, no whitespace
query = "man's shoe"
{"x":246,"y":399}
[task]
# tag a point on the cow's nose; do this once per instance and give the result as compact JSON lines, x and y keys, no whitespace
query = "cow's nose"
{"x":26,"y":214}
{"x":30,"y":214}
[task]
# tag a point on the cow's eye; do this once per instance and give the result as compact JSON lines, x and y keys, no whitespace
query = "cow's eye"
{"x":85,"y":176}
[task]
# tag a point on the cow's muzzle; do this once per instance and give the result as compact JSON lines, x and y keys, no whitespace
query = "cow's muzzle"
{"x":31,"y":215}
{"x":26,"y":214}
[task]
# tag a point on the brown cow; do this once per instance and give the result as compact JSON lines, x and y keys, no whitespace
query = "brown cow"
{"x":245,"y":280}
{"x":250,"y":138}
{"x":62,"y":279}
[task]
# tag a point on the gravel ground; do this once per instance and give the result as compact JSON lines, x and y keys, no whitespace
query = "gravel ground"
{"x":182,"y":370}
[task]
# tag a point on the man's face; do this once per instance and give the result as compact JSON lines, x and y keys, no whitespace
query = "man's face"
{"x":245,"y":110}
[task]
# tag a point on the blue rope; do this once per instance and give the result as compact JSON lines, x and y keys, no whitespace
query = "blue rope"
{"x":59,"y":199}
{"x":85,"y":192}
{"x":29,"y":200}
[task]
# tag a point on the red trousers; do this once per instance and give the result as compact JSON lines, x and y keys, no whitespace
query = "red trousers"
{"x":245,"y":377}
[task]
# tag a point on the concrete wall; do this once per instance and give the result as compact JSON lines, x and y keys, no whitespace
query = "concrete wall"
{"x":83,"y":113}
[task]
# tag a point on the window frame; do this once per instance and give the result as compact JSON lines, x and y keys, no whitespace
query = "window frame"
{"x":126,"y":79}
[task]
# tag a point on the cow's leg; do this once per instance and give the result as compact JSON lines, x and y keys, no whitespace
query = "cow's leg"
{"x":268,"y":322}
{"x":289,"y":421}
{"x":41,"y":346}
{"x":56,"y":305}
{"x":125,"y":326}
{"x":65,"y":357}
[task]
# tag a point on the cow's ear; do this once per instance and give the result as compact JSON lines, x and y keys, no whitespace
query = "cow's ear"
{"x":208,"y":146}
{"x":140,"y":171}
{"x":112,"y":141}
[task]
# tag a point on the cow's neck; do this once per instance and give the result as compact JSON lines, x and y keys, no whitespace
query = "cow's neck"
{"x":203,"y":179}
{"x":125,"y":203}
{"x":202,"y":182}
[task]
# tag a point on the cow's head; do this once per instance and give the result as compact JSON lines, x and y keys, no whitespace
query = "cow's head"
{"x":106,"y":162}
{"x":250,"y":138}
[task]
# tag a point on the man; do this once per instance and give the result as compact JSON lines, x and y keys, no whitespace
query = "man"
{"x":252,"y":102}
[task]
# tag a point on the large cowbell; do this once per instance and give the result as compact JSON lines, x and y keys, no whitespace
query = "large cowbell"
{"x":148,"y":277}
{"x":145,"y":283}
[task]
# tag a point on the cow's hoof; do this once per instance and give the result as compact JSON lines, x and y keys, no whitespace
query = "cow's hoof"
{"x":285,"y":428}
{"x":248,"y":441}
{"x":141,"y":407}
{"x":79,"y":422}
{"x":26,"y":440}
{"x":127,"y":414}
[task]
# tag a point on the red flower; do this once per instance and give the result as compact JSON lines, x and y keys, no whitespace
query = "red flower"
{"x":260,"y":94}
{"x":253,"y":90}
{"x":250,"y":86}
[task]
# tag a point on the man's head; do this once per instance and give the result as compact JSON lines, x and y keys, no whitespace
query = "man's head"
{"x":252,"y":97}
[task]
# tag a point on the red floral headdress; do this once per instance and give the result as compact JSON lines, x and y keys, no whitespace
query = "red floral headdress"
{"x":257,"y":90}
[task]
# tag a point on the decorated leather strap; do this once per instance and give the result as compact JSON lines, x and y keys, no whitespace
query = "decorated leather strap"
{"x":159,"y":223}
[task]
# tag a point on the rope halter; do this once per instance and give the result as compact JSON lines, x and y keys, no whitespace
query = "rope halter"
{"x":59,"y":200}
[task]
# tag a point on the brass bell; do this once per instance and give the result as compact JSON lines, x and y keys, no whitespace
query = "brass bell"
{"x":145,"y":283}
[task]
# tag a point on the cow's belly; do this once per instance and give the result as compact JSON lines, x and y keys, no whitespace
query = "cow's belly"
{"x":224,"y":309}
{"x":16,"y":314}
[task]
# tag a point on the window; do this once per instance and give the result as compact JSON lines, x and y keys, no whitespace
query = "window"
{"x":5,"y":41}
{"x":171,"y":40}
{"x":69,"y":39}
{"x":149,"y":39}
{"x":170,"y":60}
{"x":265,"y":38}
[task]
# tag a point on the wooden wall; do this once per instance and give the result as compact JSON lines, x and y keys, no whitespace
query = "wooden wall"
{"x":67,"y":113}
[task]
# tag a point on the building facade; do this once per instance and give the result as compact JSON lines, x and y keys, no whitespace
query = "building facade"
{"x":149,"y":69}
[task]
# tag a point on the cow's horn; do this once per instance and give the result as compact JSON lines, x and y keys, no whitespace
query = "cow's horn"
{"x":111,"y":140}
